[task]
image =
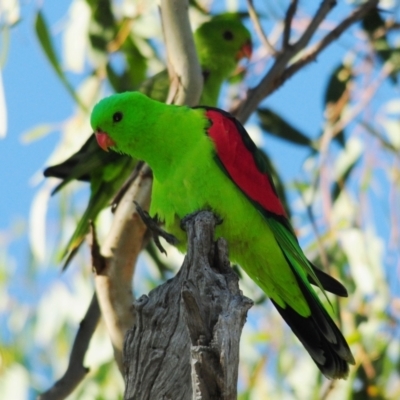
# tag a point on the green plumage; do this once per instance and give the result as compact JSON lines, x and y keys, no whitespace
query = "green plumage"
{"x":174,"y":142}
{"x":220,"y":43}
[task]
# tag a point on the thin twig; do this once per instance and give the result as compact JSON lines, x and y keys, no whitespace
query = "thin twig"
{"x":76,"y":372}
{"x":321,"y":249}
{"x":333,"y":35}
{"x":350,"y":116}
{"x":273,"y":79}
{"x":288,"y":23}
{"x":366,"y":358}
{"x":259,"y":30}
{"x":311,"y":217}
{"x":278,"y":75}
{"x":324,"y":9}
{"x":123,"y":33}
{"x":329,"y":386}
{"x":331,"y":131}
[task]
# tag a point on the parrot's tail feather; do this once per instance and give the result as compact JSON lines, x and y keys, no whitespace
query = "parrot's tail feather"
{"x":320,"y":336}
{"x":329,"y":284}
{"x":65,"y":171}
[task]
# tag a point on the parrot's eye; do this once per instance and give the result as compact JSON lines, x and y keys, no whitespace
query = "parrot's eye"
{"x":117,"y":116}
{"x":228,"y":35}
{"x":205,"y":74}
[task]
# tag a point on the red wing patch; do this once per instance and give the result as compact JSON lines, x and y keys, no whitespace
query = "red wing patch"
{"x":239,"y":163}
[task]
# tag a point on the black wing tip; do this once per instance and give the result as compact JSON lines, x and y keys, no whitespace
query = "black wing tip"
{"x":338,"y":370}
{"x":336,"y":367}
{"x":51,"y":172}
{"x":329,"y":283}
{"x":332,"y":357}
{"x":65,"y":172}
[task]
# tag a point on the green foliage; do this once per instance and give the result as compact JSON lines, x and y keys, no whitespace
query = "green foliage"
{"x":343,"y":201}
{"x":275,"y":125}
{"x":337,"y":96}
{"x":48,"y":47}
{"x":375,"y":27}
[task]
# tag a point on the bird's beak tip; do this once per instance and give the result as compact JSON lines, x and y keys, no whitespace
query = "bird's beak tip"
{"x":245,"y":51}
{"x":103,"y":140}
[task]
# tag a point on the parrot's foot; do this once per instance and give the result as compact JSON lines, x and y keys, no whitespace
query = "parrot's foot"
{"x":155,"y":229}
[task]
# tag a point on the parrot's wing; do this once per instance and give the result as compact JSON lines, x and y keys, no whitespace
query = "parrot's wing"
{"x":241,"y":160}
{"x":81,"y":165}
{"x":236,"y":154}
{"x":106,"y":173}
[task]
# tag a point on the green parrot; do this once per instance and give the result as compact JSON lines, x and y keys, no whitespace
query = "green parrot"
{"x":202,"y":158}
{"x":221,"y":43}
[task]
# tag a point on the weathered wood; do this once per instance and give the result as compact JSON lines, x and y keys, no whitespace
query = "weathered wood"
{"x":185,"y":343}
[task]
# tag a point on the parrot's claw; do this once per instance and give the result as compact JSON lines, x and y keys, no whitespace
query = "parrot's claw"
{"x":153,"y":226}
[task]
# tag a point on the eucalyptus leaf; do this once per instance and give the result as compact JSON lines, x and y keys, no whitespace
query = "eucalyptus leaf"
{"x":275,"y":125}
{"x":45,"y":40}
{"x":375,"y":27}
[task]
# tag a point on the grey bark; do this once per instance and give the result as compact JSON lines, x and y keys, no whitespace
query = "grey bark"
{"x":185,"y":342}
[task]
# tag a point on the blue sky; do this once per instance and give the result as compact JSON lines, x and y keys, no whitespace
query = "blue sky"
{"x":34,"y":95}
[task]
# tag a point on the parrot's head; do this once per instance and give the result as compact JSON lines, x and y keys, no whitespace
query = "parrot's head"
{"x":118,"y":120}
{"x":223,"y":41}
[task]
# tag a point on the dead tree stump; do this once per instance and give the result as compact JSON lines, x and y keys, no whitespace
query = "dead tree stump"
{"x":185,"y":342}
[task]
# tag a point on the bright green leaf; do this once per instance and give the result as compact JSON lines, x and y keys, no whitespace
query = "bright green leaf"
{"x":48,"y":47}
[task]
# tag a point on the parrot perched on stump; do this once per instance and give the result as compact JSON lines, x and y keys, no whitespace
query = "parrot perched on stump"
{"x":203,"y":158}
{"x":221,"y":43}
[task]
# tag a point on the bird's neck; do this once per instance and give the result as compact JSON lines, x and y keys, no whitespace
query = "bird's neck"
{"x":170,"y":135}
{"x":213,"y":80}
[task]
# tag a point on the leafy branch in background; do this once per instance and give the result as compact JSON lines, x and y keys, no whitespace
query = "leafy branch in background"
{"x":48,"y":47}
{"x":333,"y":201}
{"x":277,"y":75}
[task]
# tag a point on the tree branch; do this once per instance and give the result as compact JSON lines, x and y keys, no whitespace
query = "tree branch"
{"x":278,"y":73}
{"x":258,"y":28}
{"x":272,"y":79}
{"x":183,"y":64}
{"x":333,"y":35}
{"x":120,"y":251}
{"x":288,"y":23}
{"x":76,"y":372}
{"x":324,"y":9}
{"x":185,"y":344}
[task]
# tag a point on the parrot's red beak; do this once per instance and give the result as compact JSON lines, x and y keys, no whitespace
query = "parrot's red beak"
{"x":103,"y":140}
{"x":245,"y":51}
